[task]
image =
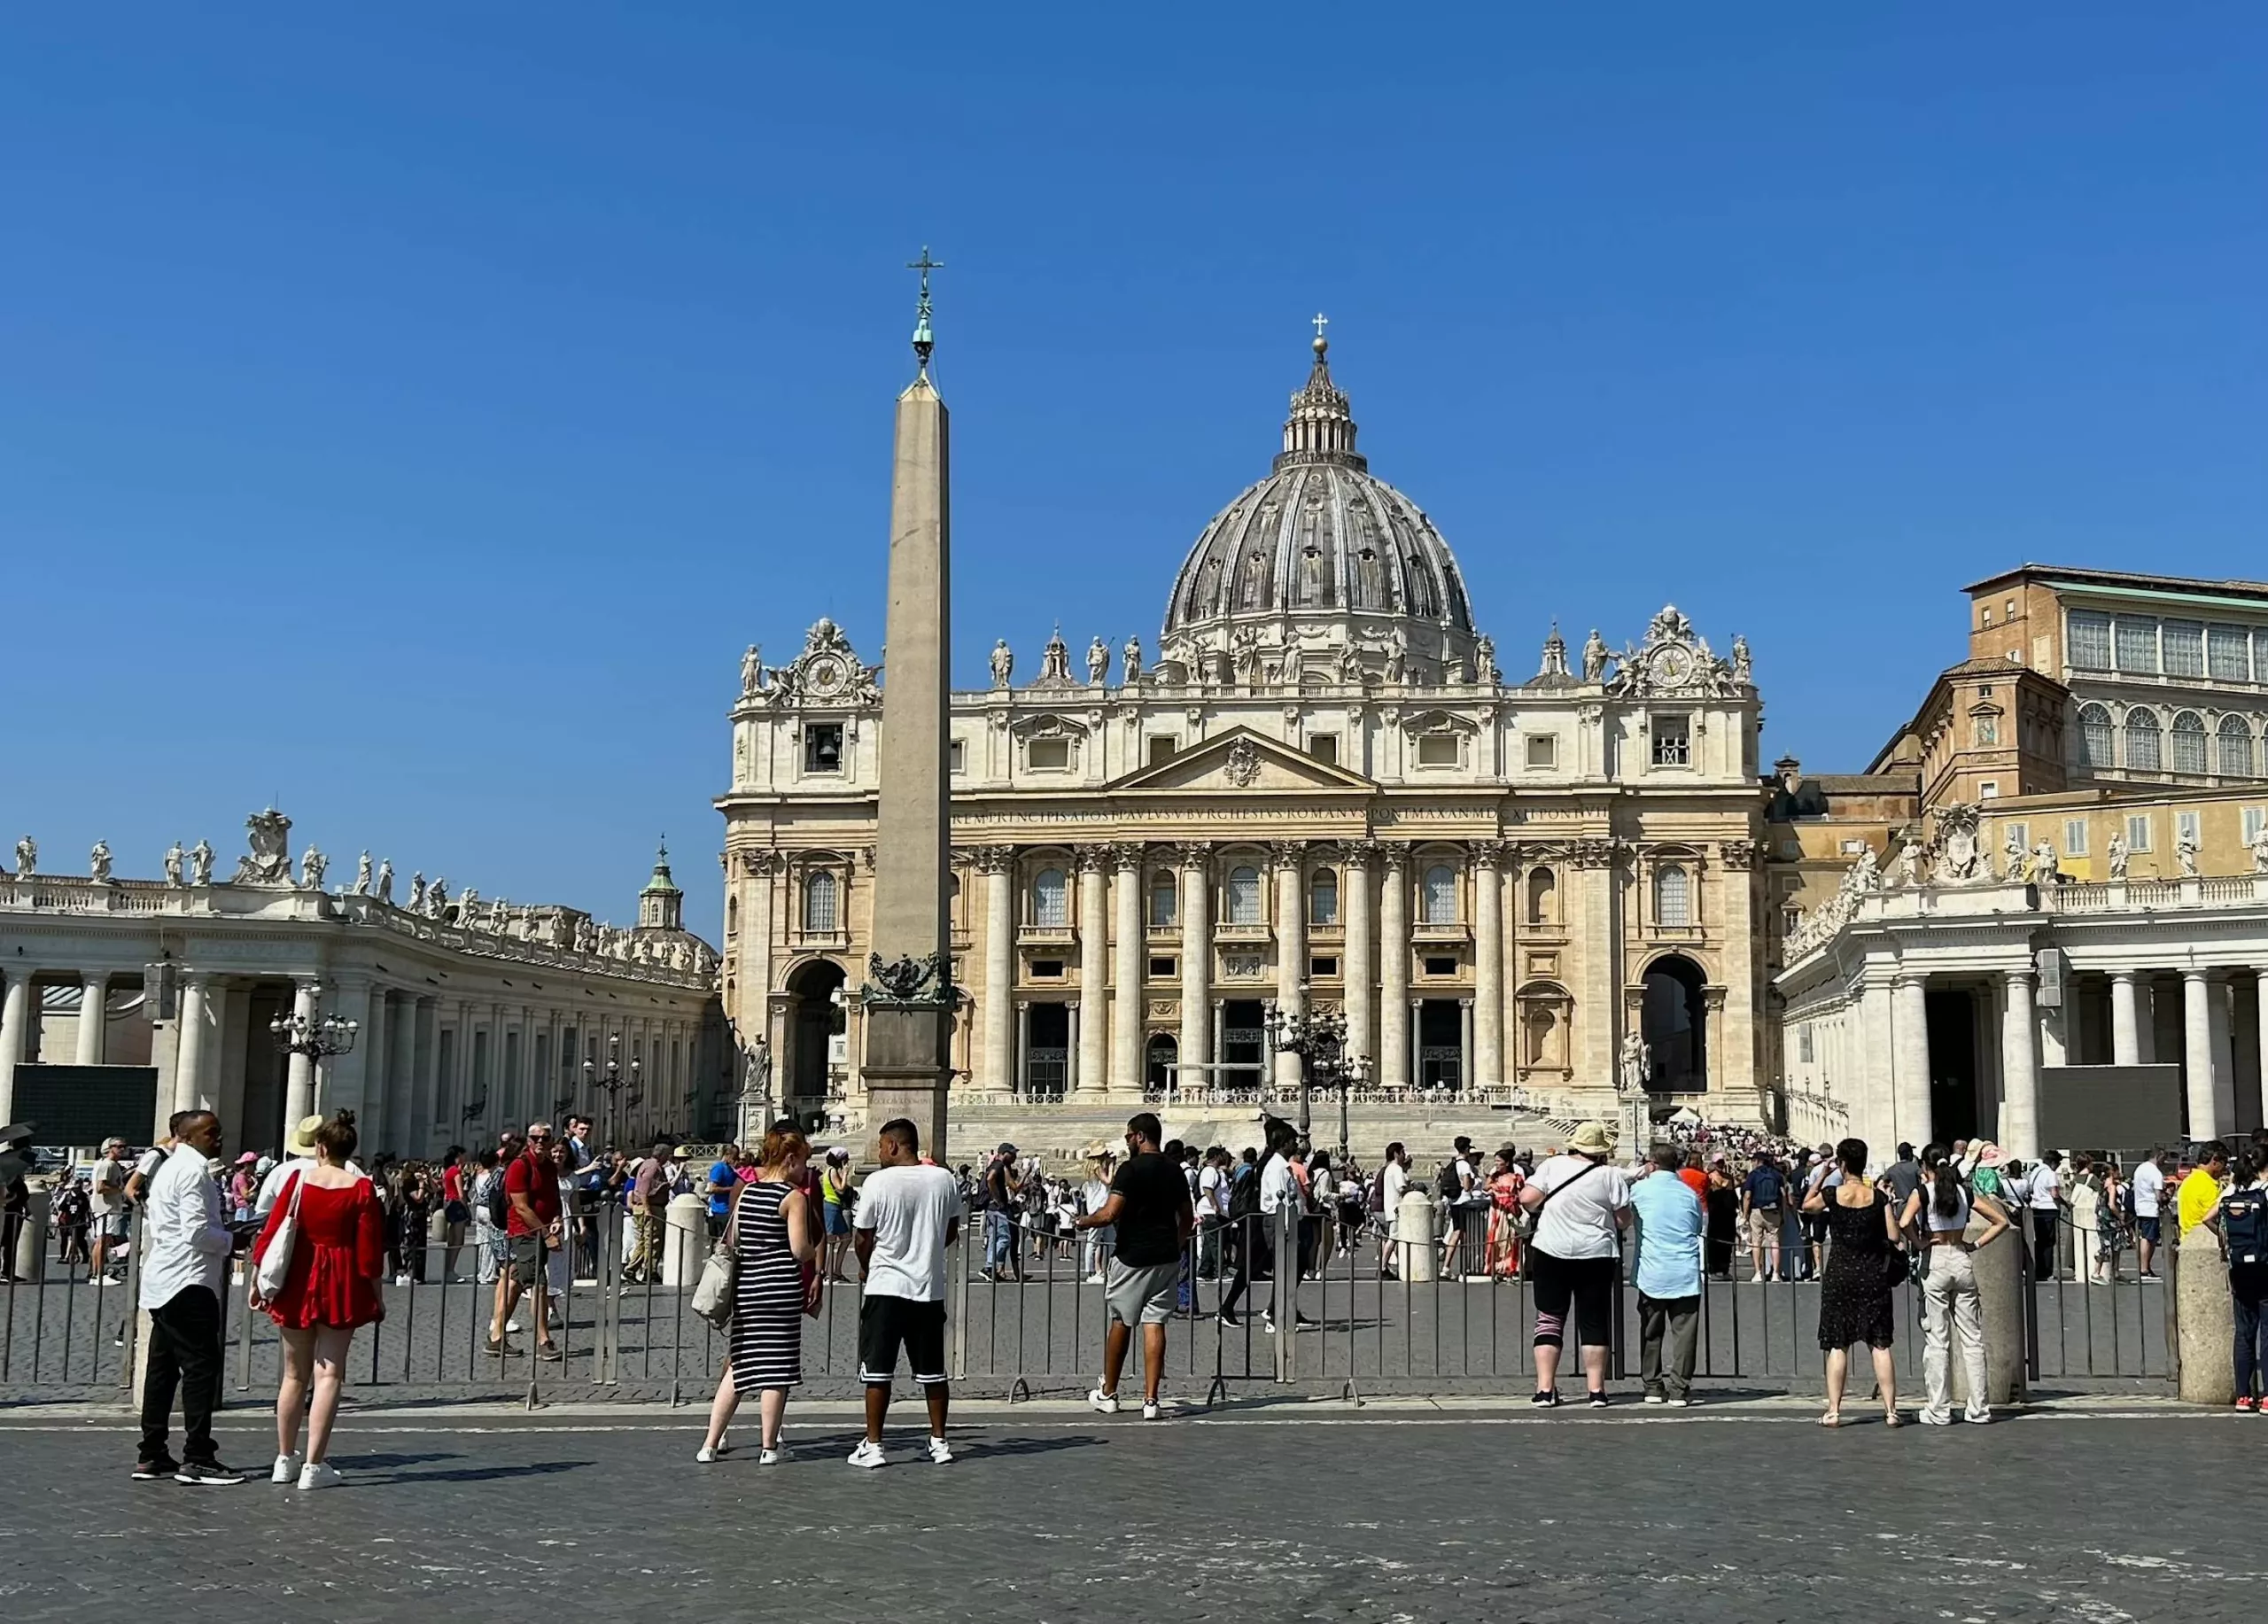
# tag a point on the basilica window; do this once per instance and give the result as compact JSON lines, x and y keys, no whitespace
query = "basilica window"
{"x":1244,"y":896}
{"x":1673,"y":740}
{"x":1543,"y":896}
{"x":731,"y":915}
{"x":1673,"y":897}
{"x":822,"y":893}
{"x":1543,"y":750}
{"x":823,"y":747}
{"x":2236,"y":748}
{"x":2188,"y":742}
{"x":957,"y":756}
{"x":1159,"y":747}
{"x":2095,"y":741}
{"x":1322,"y":899}
{"x":1162,"y":897}
{"x":1050,"y":901}
{"x":2142,"y":741}
{"x":1048,"y":754}
{"x":1436,"y":897}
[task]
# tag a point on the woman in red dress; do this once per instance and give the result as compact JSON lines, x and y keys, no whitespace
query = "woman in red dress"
{"x":330,"y":1289}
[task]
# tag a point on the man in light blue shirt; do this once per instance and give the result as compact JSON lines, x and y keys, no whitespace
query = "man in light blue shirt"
{"x":1669,"y":1225}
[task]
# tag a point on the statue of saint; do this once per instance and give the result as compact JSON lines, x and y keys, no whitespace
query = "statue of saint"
{"x":98,"y":862}
{"x":1129,"y":668}
{"x":362,"y":875}
{"x":2045,"y":870}
{"x":1742,"y":672}
{"x":385,"y":881}
{"x":312,"y":864}
{"x":174,"y":856}
{"x":2117,"y":852}
{"x":26,"y":858}
{"x":200,"y":864}
{"x":1004,"y":663}
{"x":1484,"y":662}
{"x":418,"y":892}
{"x":1635,"y":1067}
{"x":2185,"y":853}
{"x":752,"y":670}
{"x":1098,"y":660}
{"x":1595,"y":658}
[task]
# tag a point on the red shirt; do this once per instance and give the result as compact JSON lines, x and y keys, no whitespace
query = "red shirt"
{"x":533,"y":1177}
{"x":1696,"y":1181}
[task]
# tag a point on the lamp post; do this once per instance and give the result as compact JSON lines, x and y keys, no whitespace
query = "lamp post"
{"x":613,"y":1082}
{"x":317,"y":1039}
{"x":1320,"y":1042}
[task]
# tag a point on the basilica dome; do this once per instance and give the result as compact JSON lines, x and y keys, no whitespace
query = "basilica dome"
{"x":1321,"y":554}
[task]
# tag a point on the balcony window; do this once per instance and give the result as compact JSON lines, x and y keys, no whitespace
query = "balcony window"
{"x":1437,"y":900}
{"x":1673,"y":740}
{"x":1322,"y":899}
{"x":1162,"y":897}
{"x":1051,"y":900}
{"x":1244,"y":896}
{"x":1673,"y":899}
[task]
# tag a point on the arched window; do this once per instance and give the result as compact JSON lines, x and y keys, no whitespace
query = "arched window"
{"x":731,"y":915}
{"x":2094,"y":736}
{"x":1050,"y":901}
{"x":2188,"y":742}
{"x":1162,"y":897}
{"x":1543,"y":896}
{"x":1244,"y":896}
{"x":2236,"y":748}
{"x":2142,"y":741}
{"x":1437,"y":903}
{"x":820,"y":899}
{"x":1673,"y":897}
{"x":1323,"y":898}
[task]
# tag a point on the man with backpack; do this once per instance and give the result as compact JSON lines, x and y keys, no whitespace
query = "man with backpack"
{"x":1762,"y":1198}
{"x":2241,"y":1222}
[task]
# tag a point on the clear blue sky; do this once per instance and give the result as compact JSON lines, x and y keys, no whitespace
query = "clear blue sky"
{"x":411,"y":416}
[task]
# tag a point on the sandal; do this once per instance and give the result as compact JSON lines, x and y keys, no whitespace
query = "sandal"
{"x":1833,"y":1417}
{"x":1890,"y":1418}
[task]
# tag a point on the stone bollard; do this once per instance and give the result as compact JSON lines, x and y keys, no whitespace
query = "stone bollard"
{"x":1413,"y":1238}
{"x":1999,"y":1294}
{"x":30,"y":1262}
{"x":2208,"y":1321}
{"x":685,"y":1239}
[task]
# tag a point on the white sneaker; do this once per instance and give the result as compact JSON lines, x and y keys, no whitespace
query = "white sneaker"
{"x":1678,"y":1403}
{"x":769,"y":1457}
{"x":287,"y":1468}
{"x":868,"y":1453}
{"x":1655,"y":1398}
{"x":320,"y":1474}
{"x":940,"y":1453}
{"x":1102,"y":1402}
{"x":1150,"y":1412}
{"x":1756,"y":1280}
{"x":707,"y":1456}
{"x":512,"y":1327}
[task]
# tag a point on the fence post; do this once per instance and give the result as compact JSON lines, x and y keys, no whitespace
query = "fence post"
{"x":959,"y":1330}
{"x":1288,"y":1301}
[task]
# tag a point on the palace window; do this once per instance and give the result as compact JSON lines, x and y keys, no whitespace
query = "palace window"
{"x":2225,"y":654}
{"x":2090,"y":640}
{"x":1673,"y":740}
{"x":2235,"y":750}
{"x":1803,"y":1042}
{"x":1673,"y":899}
{"x":1163,"y":897}
{"x":2188,"y":742}
{"x":2095,"y":741}
{"x":1437,"y":900}
{"x":2142,"y":741}
{"x":820,"y":896}
{"x":1323,"y":898}
{"x":2137,"y":641}
{"x":1244,"y":896}
{"x":2254,"y":817}
{"x":2138,"y":832}
{"x":823,"y":747}
{"x":1050,"y":901}
{"x":2184,"y":643}
{"x":1543,"y":750}
{"x":2074,"y":837}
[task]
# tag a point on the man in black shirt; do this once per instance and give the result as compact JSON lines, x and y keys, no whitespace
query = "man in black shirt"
{"x":1149,"y":1208}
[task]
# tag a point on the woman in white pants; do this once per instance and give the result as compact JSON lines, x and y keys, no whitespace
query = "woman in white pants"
{"x":1939,"y":1210}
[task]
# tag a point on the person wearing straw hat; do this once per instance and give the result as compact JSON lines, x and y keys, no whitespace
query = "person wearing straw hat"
{"x":1580,"y":1203}
{"x":298,"y":1157}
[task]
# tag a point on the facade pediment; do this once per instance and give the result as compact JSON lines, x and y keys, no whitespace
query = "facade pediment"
{"x":1241,"y":762}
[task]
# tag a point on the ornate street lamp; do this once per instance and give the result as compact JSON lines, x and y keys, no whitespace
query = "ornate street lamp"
{"x":1320,"y":1042}
{"x":317,"y":1039}
{"x":613,"y":1082}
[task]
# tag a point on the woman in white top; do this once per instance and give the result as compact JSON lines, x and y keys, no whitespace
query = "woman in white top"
{"x":1940,"y":1210}
{"x":1092,"y":1194}
{"x":1580,"y":1206}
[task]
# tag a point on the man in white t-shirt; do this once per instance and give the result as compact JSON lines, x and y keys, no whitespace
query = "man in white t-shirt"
{"x":1581,"y":1203}
{"x":106,"y":1205}
{"x":2044,"y":1195}
{"x":1212,"y":1211}
{"x":1393,"y":1179}
{"x":2149,"y":1185}
{"x":907,"y":1215}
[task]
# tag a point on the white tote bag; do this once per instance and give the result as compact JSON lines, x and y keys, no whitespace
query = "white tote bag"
{"x":276,"y":1263}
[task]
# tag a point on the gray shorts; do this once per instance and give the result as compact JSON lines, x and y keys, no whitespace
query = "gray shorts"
{"x":1141,"y":1296}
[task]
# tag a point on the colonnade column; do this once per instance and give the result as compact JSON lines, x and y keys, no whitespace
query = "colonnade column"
{"x":1394,"y":970}
{"x":1093,"y":1044}
{"x":2019,"y":1069}
{"x":1290,"y":857}
{"x":1023,"y":1044}
{"x":340,"y":1079}
{"x":2218,"y":1039}
{"x":1130,"y":954}
{"x":2260,"y":1016}
{"x":997,"y":864}
{"x":400,"y":1081}
{"x":1910,"y":1020}
{"x":2125,"y":1020}
{"x":299,"y":1084}
{"x":1486,"y":1049}
{"x":425,"y":1074}
{"x":371,"y":1108}
{"x":1196,"y":959}
{"x":94,"y":999}
{"x":2197,"y":1053}
{"x":1361,"y":961}
{"x":192,"y":1054}
{"x":15,"y":1024}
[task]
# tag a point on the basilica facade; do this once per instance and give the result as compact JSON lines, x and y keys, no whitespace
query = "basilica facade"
{"x":1318,"y":789}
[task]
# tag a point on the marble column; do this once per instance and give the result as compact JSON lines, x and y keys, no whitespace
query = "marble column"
{"x":2219,"y":1036}
{"x":2126,"y":1019}
{"x":15,"y":1026}
{"x":1360,"y":963}
{"x":300,"y":1081}
{"x":193,"y":1060}
{"x":1196,"y":1047}
{"x":94,"y":1000}
{"x":1488,"y":1045}
{"x":1091,"y":1049}
{"x":1023,"y":1043}
{"x":403,"y":1127}
{"x":2019,"y":1069}
{"x":1394,"y":969}
{"x":1909,"y":1011}
{"x":425,"y":1074}
{"x":1464,"y":1043}
{"x":997,"y":865}
{"x":1130,"y":956}
{"x":2197,"y":1045}
{"x":1290,"y":860}
{"x":339,"y":1080}
{"x":371,"y":1108}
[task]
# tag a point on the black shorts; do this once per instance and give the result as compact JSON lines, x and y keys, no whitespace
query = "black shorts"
{"x":1587,"y":1283}
{"x":886,"y":1324}
{"x":527,"y":1260}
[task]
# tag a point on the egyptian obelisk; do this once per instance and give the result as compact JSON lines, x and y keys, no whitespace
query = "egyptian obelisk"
{"x":909,"y":994}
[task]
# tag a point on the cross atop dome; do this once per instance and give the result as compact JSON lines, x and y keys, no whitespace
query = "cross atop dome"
{"x":1320,"y":428}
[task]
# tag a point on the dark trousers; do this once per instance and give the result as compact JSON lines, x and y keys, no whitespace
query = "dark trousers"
{"x":2247,"y":1287}
{"x":1255,"y":1254}
{"x":2043,"y":1244}
{"x":1673,"y":1320}
{"x":184,"y":1356}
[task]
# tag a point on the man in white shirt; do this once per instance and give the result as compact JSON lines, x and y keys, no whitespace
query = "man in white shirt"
{"x":106,"y":1206}
{"x":184,"y":1271}
{"x":907,"y":1215}
{"x":2044,"y":1195}
{"x":1392,"y":1180}
{"x":1212,"y":1211}
{"x":2148,"y":1185}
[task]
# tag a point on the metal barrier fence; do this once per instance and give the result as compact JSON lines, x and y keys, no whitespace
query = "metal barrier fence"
{"x":1263,"y":1302}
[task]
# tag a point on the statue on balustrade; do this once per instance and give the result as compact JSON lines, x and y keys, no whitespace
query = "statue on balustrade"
{"x":26,"y":858}
{"x":385,"y":881}
{"x":174,"y":856}
{"x":2117,"y":851}
{"x":2046,"y":869}
{"x":1595,"y":658}
{"x":2260,"y":849}
{"x":362,"y":875}
{"x":2185,"y":853}
{"x":1098,"y":660}
{"x":1908,"y":871}
{"x":1129,"y":668}
{"x":752,"y":669}
{"x":313,"y":863}
{"x":418,"y":892}
{"x":1004,"y":663}
{"x":1484,"y":662}
{"x":98,"y":862}
{"x":200,"y":864}
{"x":1743,"y":673}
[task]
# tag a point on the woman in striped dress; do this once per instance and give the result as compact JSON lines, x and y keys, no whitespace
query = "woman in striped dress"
{"x":775,"y":1234}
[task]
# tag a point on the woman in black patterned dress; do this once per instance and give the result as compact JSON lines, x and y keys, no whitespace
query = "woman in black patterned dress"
{"x":1855,"y":1293}
{"x":774,"y":1235}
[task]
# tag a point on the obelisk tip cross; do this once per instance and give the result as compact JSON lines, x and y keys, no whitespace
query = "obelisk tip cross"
{"x":924,"y":340}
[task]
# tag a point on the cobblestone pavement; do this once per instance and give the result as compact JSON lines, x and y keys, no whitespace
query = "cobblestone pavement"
{"x":1736,"y":1514}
